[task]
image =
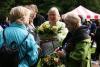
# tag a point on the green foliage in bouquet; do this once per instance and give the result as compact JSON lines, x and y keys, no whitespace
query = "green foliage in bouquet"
{"x":51,"y":60}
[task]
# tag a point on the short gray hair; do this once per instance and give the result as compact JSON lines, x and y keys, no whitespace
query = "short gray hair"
{"x":54,"y":9}
{"x":72,"y":17}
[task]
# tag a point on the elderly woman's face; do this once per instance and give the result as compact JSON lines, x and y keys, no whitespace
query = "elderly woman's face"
{"x":69,"y":26}
{"x":53,"y":17}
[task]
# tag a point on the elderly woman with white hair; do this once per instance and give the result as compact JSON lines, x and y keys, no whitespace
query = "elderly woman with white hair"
{"x":78,"y":43}
{"x":17,"y":37}
{"x":53,"y":21}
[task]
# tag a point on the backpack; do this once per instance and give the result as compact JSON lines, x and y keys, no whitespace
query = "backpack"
{"x":9,"y":56}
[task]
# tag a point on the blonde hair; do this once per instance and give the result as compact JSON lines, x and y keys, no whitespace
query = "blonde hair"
{"x":18,"y":12}
{"x":54,"y":10}
{"x":34,"y":7}
{"x":30,"y":8}
{"x":73,"y":19}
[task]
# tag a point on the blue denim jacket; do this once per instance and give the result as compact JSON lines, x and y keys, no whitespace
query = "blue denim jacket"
{"x":17,"y":32}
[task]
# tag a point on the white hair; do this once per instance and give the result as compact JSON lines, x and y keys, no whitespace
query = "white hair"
{"x":53,"y":10}
{"x":72,"y":16}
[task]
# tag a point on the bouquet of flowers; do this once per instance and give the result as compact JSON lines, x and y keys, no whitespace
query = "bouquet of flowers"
{"x":46,"y":30}
{"x":51,"y":60}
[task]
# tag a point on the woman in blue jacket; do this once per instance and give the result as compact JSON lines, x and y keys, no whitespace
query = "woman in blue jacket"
{"x":17,"y":31}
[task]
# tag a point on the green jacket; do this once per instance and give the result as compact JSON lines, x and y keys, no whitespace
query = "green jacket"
{"x":81,"y":55}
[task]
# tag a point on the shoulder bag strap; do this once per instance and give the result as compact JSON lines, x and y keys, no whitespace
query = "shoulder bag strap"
{"x":4,"y":38}
{"x":25,"y":38}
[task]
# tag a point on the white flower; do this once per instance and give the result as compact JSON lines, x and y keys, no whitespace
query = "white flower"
{"x":54,"y":28}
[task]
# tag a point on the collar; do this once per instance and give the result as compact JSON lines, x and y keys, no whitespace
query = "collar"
{"x":19,"y":25}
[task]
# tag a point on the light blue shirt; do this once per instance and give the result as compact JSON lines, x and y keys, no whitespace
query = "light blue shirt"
{"x":17,"y":32}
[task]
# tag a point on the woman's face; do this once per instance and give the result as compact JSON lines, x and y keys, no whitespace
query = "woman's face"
{"x":53,"y":17}
{"x":26,"y":19}
{"x":33,"y":14}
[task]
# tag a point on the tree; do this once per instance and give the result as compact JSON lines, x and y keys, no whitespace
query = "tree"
{"x":5,"y":6}
{"x":44,"y":5}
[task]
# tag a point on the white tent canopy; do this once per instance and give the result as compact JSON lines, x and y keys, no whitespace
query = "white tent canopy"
{"x":84,"y":12}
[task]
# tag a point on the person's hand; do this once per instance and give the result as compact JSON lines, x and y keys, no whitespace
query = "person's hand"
{"x":92,"y":34}
{"x":39,"y":50}
{"x":60,"y":53}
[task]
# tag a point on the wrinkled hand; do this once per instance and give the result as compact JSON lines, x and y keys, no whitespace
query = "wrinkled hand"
{"x":60,"y":53}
